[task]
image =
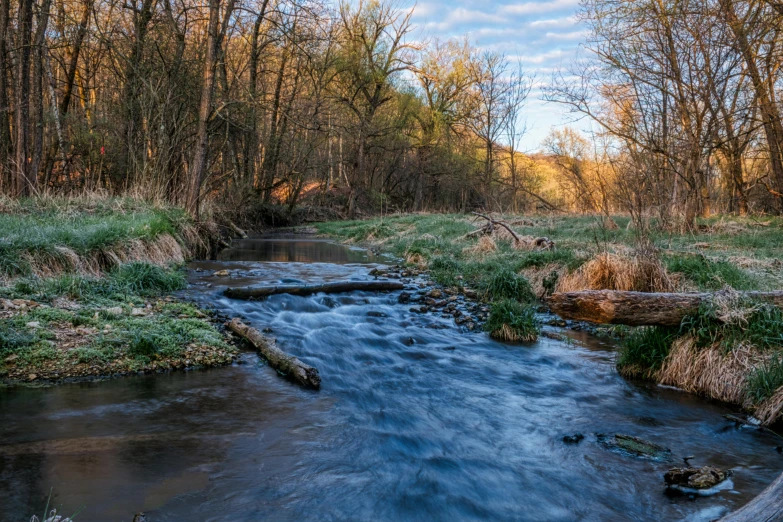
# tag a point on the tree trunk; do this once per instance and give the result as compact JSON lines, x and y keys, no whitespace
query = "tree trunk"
{"x":638,"y":308}
{"x":278,"y":359}
{"x":38,"y":84}
{"x":24,"y":181}
{"x":200,"y":163}
{"x":5,"y":129}
{"x":257,"y":292}
{"x":70,"y":76}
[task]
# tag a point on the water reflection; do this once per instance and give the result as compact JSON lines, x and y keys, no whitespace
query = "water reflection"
{"x":294,"y":250}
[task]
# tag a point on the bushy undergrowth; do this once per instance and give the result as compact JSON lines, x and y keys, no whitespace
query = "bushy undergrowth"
{"x":511,"y":321}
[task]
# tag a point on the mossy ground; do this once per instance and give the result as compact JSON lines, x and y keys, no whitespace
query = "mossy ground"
{"x":74,"y":327}
{"x":103,"y":306}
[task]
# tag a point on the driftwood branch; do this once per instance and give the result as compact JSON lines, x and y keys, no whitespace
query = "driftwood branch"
{"x":766,"y":507}
{"x":256,"y":292}
{"x":638,"y":308}
{"x":278,"y":359}
{"x":493,"y":224}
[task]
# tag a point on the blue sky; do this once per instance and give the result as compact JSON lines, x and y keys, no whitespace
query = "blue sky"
{"x":542,"y":35}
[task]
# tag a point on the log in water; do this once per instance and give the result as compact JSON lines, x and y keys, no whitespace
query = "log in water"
{"x":767,"y":507}
{"x":278,"y":359}
{"x":256,"y":292}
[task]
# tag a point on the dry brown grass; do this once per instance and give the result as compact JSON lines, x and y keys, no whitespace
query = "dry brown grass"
{"x":710,"y":371}
{"x":508,"y":334}
{"x":161,"y":251}
{"x":484,"y":245}
{"x":639,"y":272}
{"x":536,"y":276}
{"x":771,"y":409}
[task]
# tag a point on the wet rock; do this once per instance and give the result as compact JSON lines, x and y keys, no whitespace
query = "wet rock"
{"x":267,"y":330}
{"x":374,"y":313}
{"x":634,"y":447}
{"x":471,"y":294}
{"x":221,"y":273}
{"x":378,"y":272}
{"x":430,"y":301}
{"x":440,"y":304}
{"x":409,"y":341}
{"x":691,"y":478}
{"x":556,"y":322}
{"x":404,"y":298}
{"x":576,"y":438}
{"x":471,"y":326}
{"x":435,"y":293}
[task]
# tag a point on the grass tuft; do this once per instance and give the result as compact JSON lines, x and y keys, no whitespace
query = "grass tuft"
{"x":644,"y":350}
{"x":505,"y":284}
{"x":511,"y":321}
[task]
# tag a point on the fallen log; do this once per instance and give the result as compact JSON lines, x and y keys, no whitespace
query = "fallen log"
{"x":638,"y":308}
{"x":766,"y":507}
{"x":256,"y":292}
{"x":278,"y":359}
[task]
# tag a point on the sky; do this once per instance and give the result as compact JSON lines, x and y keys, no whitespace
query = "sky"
{"x":542,"y":35}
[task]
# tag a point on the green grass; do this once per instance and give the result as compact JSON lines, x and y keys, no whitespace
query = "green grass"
{"x":506,"y":284}
{"x":34,"y":228}
{"x":440,"y":237}
{"x":708,"y":274}
{"x":113,"y":336}
{"x":761,"y":326}
{"x":764,"y":381}
{"x":644,"y":349}
{"x":511,"y":321}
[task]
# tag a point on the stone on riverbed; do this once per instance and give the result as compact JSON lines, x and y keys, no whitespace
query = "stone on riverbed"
{"x":576,"y":438}
{"x":702,"y":481}
{"x":634,"y":447}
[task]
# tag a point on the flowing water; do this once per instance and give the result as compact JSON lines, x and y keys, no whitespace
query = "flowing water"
{"x":416,"y":420}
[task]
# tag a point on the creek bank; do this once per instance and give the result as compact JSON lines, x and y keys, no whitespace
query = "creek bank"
{"x":86,"y":292}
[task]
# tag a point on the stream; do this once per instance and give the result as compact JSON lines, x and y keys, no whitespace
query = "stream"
{"x":417,"y":419}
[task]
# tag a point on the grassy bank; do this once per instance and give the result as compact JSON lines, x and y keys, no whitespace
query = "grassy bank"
{"x":732,"y":351}
{"x":85,"y":291}
{"x":45,"y":237}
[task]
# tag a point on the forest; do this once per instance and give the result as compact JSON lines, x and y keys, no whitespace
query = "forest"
{"x":351,"y":106}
